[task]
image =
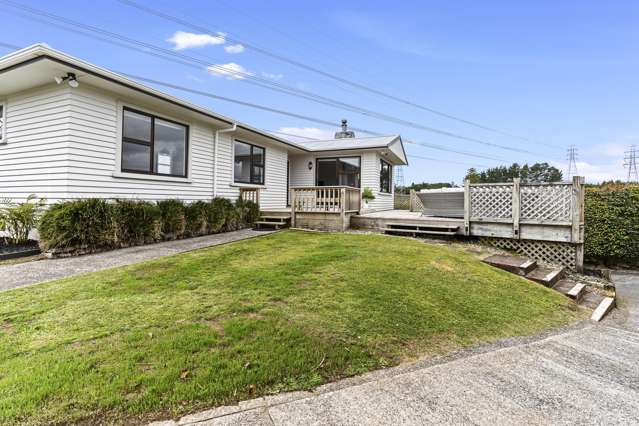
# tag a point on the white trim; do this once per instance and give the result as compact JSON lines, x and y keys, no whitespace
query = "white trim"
{"x":3,"y":131}
{"x":144,"y":176}
{"x":216,"y":143}
{"x":117,"y":172}
{"x":246,"y":185}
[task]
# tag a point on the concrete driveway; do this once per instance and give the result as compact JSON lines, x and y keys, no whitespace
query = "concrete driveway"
{"x":587,"y":375}
{"x":627,"y":313}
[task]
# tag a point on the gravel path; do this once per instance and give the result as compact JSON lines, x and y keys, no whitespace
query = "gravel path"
{"x":23,"y":274}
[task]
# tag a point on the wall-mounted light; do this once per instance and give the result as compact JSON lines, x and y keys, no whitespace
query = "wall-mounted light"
{"x":310,"y":165}
{"x":70,"y":78}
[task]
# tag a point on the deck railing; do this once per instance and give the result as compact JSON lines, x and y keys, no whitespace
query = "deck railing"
{"x":250,"y":194}
{"x":326,"y":199}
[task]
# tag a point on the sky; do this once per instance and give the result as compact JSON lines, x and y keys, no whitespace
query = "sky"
{"x":536,"y":76}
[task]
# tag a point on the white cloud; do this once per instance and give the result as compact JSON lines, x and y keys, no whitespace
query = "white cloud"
{"x":182,"y":40}
{"x":595,"y":173}
{"x":232,"y":71}
{"x":234,"y":48}
{"x":272,"y":76}
{"x":307,"y":132}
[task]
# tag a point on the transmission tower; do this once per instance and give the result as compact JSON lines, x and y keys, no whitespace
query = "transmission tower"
{"x":572,"y":161}
{"x":630,"y":162}
{"x":399,"y":176}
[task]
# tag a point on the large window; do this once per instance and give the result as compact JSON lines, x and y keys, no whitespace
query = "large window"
{"x":248,"y":163}
{"x":153,"y":145}
{"x":385,"y":177}
{"x":343,"y":171}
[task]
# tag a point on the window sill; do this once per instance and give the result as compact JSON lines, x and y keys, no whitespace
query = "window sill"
{"x":247,"y":185}
{"x":141,"y":176}
{"x":385,"y":193}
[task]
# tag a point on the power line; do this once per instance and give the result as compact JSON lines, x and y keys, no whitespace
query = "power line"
{"x":315,"y":70}
{"x":630,"y":162}
{"x":243,"y":76}
{"x":572,"y":156}
{"x":186,"y":60}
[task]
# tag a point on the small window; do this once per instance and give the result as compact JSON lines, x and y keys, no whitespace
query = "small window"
{"x":385,"y":177}
{"x":248,"y":163}
{"x":153,"y":145}
{"x":2,"y":122}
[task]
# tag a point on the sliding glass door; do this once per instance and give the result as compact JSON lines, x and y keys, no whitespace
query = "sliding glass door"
{"x":342,"y":171}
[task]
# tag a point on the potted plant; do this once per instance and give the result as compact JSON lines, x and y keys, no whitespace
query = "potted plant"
{"x":367,"y":196}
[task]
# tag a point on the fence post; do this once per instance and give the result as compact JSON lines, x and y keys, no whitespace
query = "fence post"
{"x":411,"y":201}
{"x":577,"y":213}
{"x":467,"y":207}
{"x":516,"y":207}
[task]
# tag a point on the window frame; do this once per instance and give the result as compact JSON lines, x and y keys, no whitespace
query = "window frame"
{"x":251,"y":164}
{"x":359,"y":177}
{"x":3,"y":117}
{"x":151,"y":144}
{"x":381,"y":177}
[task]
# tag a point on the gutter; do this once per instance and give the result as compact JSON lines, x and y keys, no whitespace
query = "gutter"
{"x":215,"y":144}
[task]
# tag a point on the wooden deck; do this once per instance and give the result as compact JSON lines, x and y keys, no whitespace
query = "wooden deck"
{"x":396,"y":220}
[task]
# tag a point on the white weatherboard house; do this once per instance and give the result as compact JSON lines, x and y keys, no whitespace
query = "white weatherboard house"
{"x":70,"y":129}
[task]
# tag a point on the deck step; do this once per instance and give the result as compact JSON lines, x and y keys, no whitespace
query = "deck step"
{"x":603,"y":308}
{"x":515,"y":264}
{"x":419,"y":226}
{"x":591,"y":299}
{"x":275,"y":217}
{"x":546,"y":276}
{"x":418,"y":231}
{"x":570,"y":288}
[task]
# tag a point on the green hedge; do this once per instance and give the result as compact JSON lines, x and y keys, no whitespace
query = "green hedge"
{"x":98,"y":224}
{"x":612,"y":225}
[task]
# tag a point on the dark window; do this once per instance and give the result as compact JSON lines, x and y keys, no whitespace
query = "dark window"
{"x":385,"y":177}
{"x":153,"y":145}
{"x":344,"y":171}
{"x":248,"y":163}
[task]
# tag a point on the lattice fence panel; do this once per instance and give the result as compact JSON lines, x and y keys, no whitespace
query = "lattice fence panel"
{"x":491,"y":202}
{"x":550,"y":203}
{"x":544,"y":251}
{"x":415,"y":203}
{"x":402,"y":201}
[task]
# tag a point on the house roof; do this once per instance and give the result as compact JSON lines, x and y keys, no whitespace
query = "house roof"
{"x":38,"y":64}
{"x":391,"y":142}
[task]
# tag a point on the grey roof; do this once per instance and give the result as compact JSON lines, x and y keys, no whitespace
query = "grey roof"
{"x":349,"y":143}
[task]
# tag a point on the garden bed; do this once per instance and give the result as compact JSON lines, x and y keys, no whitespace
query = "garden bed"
{"x":12,"y":251}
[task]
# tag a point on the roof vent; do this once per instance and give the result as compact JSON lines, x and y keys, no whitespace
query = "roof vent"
{"x":345,"y":133}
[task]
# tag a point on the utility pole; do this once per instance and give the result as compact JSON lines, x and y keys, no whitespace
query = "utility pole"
{"x":630,"y":162}
{"x":572,"y":162}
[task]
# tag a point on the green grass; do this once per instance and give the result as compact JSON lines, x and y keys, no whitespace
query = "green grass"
{"x":282,"y":312}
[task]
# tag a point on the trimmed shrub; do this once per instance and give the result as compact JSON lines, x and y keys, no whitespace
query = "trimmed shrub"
{"x":82,"y":226}
{"x":86,"y":224}
{"x":172,"y":215}
{"x":248,"y":211}
{"x":135,"y":222}
{"x":218,"y":210}
{"x":196,"y":215}
{"x":612,"y":224}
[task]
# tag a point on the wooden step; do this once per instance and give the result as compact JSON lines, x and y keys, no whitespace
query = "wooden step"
{"x":546,"y":276}
{"x":278,"y":218}
{"x":422,"y":226}
{"x":570,"y":289}
{"x":419,"y":231}
{"x":603,"y":308}
{"x":515,"y":264}
{"x":591,"y":299}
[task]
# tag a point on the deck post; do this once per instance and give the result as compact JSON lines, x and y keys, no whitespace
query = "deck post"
{"x":411,"y":201}
{"x":293,"y":203}
{"x":516,"y":207}
{"x":467,"y":207}
{"x":577,"y":209}
{"x":342,"y":205}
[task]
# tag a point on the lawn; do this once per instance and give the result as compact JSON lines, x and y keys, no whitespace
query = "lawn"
{"x":286,"y":311}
